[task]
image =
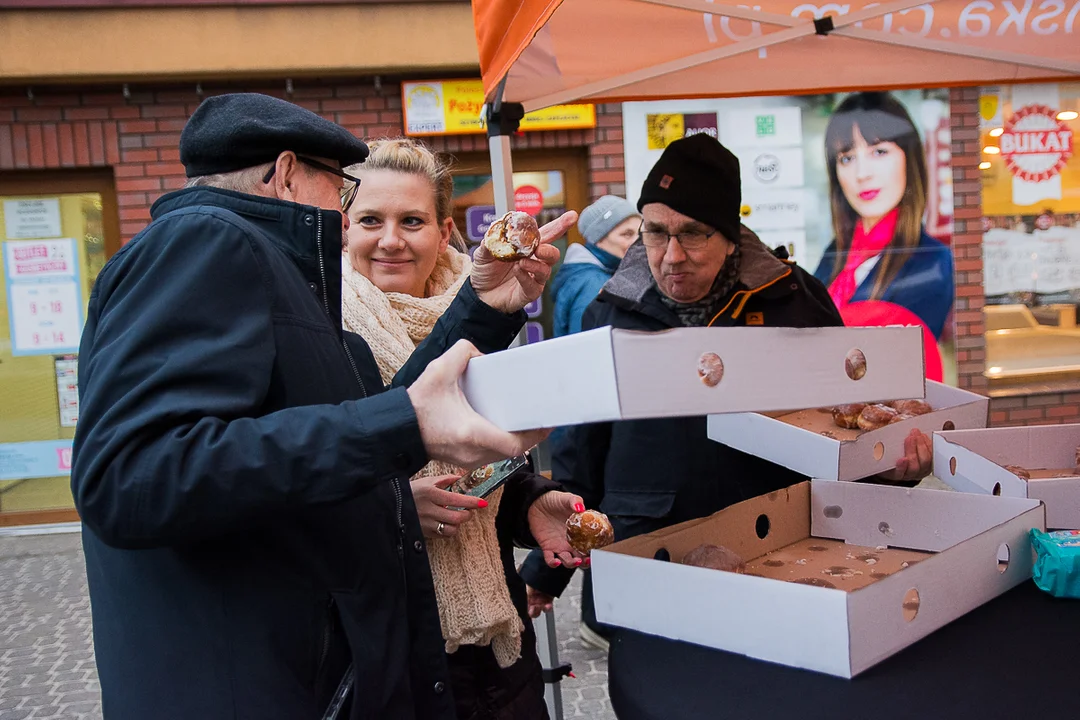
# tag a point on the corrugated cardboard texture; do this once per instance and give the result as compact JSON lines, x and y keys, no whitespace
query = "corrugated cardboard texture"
{"x":830,"y":563}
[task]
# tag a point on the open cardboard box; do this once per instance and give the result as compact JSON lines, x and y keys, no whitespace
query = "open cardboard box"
{"x":960,"y":551}
{"x":608,"y":374}
{"x":974,"y":460}
{"x":795,"y":439}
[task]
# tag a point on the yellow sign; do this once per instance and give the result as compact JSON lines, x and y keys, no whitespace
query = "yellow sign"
{"x":664,"y":130}
{"x":453,"y":107}
{"x":1030,"y":163}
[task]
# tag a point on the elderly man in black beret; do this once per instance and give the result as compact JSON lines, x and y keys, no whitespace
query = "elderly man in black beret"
{"x":238,"y":465}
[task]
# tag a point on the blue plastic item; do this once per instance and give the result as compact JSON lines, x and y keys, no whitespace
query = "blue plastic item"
{"x":1057,"y":565}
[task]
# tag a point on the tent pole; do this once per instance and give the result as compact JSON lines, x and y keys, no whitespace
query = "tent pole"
{"x":502,"y":121}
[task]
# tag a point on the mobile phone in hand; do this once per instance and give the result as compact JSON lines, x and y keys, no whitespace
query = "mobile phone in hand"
{"x":484,"y":480}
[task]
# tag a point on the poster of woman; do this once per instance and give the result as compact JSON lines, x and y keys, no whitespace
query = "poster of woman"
{"x":882,"y":267}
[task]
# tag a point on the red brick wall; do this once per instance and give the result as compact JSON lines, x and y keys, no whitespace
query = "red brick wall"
{"x":138,"y":135}
{"x":967,"y":240}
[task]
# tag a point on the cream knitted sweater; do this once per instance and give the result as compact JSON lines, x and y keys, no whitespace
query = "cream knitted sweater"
{"x":474,"y":603}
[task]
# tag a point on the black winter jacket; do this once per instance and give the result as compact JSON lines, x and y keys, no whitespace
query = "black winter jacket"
{"x":246,"y":531}
{"x":483,"y":690}
{"x":649,"y":474}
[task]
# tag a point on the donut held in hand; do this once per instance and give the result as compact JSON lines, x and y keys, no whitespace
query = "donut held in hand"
{"x":512,"y":237}
{"x":586,"y":531}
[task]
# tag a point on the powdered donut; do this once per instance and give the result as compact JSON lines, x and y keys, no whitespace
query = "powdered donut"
{"x":911,"y":407}
{"x":512,"y":237}
{"x":847,"y":416}
{"x":873,"y":417}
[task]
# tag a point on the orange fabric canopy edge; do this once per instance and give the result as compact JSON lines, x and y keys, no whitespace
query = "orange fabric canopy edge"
{"x":504,"y":28}
{"x":553,"y":50}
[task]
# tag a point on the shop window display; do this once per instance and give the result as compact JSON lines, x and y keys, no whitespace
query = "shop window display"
{"x":1031,"y":236}
{"x":52,"y":250}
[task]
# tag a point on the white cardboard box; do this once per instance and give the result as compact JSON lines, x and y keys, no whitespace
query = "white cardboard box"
{"x":606,"y":374}
{"x":974,"y":460}
{"x":829,"y":630}
{"x":794,"y":440}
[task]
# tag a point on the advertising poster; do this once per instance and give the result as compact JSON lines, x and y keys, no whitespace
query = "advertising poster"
{"x":856,"y":187}
{"x":1031,"y":194}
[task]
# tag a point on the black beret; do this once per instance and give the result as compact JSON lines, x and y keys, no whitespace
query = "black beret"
{"x":698,"y":177}
{"x":242,"y":130}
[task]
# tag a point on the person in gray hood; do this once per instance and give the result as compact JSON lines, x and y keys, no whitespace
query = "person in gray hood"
{"x":610,"y":226}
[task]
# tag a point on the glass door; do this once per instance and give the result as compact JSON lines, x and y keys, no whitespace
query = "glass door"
{"x":547,"y":183}
{"x":55,"y":235}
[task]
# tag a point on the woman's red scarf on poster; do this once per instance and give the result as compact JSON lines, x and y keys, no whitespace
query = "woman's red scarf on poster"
{"x":864,"y":246}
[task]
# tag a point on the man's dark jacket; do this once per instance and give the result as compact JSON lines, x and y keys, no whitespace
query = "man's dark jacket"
{"x":248,"y":531}
{"x":649,"y":474}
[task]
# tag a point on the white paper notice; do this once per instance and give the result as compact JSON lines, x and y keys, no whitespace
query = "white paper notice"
{"x":38,"y":218}
{"x":67,"y":389}
{"x":46,"y":317}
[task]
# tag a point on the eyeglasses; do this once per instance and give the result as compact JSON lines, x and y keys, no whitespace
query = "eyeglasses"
{"x":687,"y":240}
{"x":348,"y":190}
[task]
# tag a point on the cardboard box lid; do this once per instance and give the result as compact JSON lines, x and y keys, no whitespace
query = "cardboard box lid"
{"x":611,"y":374}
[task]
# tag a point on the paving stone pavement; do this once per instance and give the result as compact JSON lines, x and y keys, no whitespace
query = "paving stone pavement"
{"x":46,"y":649}
{"x":46,"y":652}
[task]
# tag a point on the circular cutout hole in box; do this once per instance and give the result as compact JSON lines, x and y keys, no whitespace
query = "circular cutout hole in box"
{"x":879,"y":450}
{"x":855,"y":364}
{"x":710,"y":369}
{"x":952,"y":466}
{"x":761,"y":526}
{"x":997,"y":489}
{"x":1004,"y":554}
{"x":912,"y":601}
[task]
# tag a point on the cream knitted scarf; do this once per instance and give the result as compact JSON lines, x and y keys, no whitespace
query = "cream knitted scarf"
{"x":474,"y":603}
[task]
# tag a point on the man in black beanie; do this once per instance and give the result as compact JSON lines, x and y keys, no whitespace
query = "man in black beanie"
{"x":238,"y":464}
{"x":695,"y":265}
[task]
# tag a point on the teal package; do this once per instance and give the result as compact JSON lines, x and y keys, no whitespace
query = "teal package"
{"x":1057,"y":565}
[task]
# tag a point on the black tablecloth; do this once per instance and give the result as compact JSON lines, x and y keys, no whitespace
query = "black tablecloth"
{"x":1016,"y":657}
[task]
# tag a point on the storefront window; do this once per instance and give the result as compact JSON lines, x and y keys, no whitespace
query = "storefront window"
{"x":53,"y":248}
{"x":1031,"y":236}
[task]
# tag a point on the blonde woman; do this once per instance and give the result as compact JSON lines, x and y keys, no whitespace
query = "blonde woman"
{"x":402,"y":265}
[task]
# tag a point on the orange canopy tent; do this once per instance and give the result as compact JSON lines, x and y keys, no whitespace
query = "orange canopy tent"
{"x":557,"y":51}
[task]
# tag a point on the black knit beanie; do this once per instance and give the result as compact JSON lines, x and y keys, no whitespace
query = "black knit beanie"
{"x":698,"y":177}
